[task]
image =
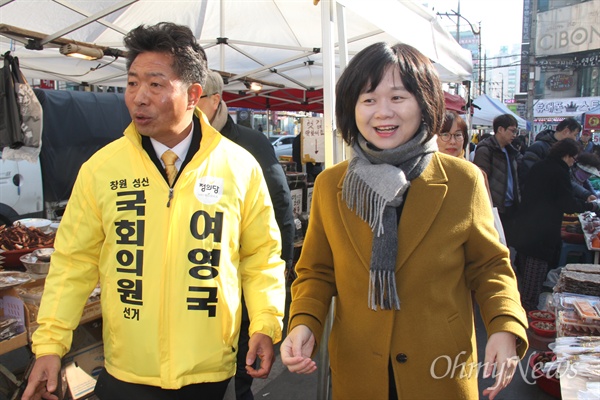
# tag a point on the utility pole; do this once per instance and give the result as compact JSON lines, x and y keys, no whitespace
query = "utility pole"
{"x":458,"y":23}
{"x":476,"y":32}
{"x":531,"y":78}
{"x":484,"y":73}
{"x":480,"y":74}
{"x":502,"y":87}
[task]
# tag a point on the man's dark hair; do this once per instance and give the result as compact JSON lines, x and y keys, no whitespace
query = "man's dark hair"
{"x":569,"y":123}
{"x":565,"y":147}
{"x":189,"y":58}
{"x":504,"y":121}
{"x":366,"y":70}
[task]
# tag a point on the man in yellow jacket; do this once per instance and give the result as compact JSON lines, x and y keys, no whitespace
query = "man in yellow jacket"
{"x":171,"y":248}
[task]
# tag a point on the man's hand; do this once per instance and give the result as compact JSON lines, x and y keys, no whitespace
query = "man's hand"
{"x":43,"y":379}
{"x":500,"y":352}
{"x":296,"y":350}
{"x":261,"y":346}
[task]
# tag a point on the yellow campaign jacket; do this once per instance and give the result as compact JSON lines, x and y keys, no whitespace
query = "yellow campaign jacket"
{"x":170,"y":276}
{"x":447,"y":247}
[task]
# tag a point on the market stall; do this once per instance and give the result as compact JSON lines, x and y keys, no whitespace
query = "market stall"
{"x":566,"y":334}
{"x":25,"y":253}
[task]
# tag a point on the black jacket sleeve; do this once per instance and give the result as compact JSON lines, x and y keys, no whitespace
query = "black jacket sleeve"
{"x":259,"y":146}
{"x":281,"y":197}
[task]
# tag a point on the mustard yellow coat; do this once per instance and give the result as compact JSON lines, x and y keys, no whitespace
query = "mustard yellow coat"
{"x":447,"y":247}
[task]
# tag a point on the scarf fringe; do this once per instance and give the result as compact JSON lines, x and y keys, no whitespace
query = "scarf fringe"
{"x":367,"y":204}
{"x":382,"y":291}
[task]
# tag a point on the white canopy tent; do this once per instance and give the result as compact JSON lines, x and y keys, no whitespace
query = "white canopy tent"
{"x":487,"y":108}
{"x":280,"y":43}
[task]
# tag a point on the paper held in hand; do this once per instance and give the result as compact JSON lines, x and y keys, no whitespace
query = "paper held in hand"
{"x":80,"y":383}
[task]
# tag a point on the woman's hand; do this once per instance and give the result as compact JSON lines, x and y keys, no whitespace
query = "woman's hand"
{"x":501,"y":353}
{"x":296,"y":350}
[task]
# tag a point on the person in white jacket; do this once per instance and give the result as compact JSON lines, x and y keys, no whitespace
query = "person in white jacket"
{"x":171,"y":257}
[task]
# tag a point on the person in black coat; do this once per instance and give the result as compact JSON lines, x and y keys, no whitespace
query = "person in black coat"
{"x":212,"y":104}
{"x":547,"y":195}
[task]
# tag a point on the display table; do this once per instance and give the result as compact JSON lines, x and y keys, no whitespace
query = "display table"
{"x":588,"y":238}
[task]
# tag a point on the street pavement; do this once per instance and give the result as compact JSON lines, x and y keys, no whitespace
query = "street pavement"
{"x":284,"y":385}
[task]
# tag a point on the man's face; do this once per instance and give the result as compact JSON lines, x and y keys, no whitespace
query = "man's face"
{"x":160,"y":104}
{"x":505,"y":136}
{"x":586,"y":136}
{"x":572,"y":134}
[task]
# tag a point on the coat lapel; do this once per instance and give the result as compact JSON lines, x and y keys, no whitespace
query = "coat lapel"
{"x":424,"y":200}
{"x":423,"y":203}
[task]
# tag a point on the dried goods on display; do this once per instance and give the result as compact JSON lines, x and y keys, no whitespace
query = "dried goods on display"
{"x":579,"y":278}
{"x":18,"y":237}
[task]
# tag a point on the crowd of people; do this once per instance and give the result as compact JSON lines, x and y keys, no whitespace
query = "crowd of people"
{"x":186,"y":222}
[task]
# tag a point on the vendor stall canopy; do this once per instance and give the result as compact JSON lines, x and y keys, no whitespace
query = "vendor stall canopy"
{"x":275,"y":43}
{"x":487,"y":108}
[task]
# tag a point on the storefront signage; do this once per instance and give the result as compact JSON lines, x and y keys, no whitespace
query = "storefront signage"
{"x":591,"y":59}
{"x":313,"y":140}
{"x":592,"y":122}
{"x":568,"y":29}
{"x":569,"y":107}
{"x":46,"y":84}
{"x":559,"y":82}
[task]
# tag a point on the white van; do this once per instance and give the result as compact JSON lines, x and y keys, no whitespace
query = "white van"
{"x":75,"y":125}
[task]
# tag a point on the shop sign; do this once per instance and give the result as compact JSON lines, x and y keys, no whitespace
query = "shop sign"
{"x":568,"y":107}
{"x":313,"y":139}
{"x":47,"y":84}
{"x":596,"y":138}
{"x":559,"y":82}
{"x":568,"y":29}
{"x":592,"y":121}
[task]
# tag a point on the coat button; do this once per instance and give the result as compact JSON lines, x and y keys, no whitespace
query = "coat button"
{"x":401,"y":358}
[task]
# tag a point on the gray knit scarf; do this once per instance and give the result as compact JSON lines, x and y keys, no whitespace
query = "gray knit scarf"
{"x":374,"y":186}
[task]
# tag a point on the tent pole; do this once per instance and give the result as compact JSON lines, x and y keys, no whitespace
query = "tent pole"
{"x":341,"y":147}
{"x":327,"y":26}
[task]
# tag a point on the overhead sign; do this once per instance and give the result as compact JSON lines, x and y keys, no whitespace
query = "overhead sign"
{"x":568,"y":107}
{"x":559,"y":82}
{"x":313,"y":140}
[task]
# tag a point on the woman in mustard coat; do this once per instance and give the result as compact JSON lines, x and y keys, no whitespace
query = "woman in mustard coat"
{"x":401,"y":235}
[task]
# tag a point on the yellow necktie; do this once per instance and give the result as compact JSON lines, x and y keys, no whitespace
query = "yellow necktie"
{"x":169,"y":159}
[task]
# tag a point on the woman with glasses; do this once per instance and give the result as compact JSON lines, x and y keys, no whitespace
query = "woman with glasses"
{"x":454,"y":137}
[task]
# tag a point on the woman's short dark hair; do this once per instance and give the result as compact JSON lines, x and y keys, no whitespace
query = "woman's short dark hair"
{"x":366,"y":70}
{"x":189,"y":58}
{"x":562,"y":148}
{"x":589,"y":159}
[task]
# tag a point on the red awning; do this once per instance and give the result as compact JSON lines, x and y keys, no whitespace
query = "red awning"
{"x":455,"y":102}
{"x":277,"y":100}
{"x":303,"y":100}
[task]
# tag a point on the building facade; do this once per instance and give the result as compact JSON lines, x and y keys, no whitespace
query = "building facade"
{"x":567,"y":60}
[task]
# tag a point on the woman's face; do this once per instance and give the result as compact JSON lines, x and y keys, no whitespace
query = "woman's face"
{"x":389,"y":116}
{"x":454,"y":145}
